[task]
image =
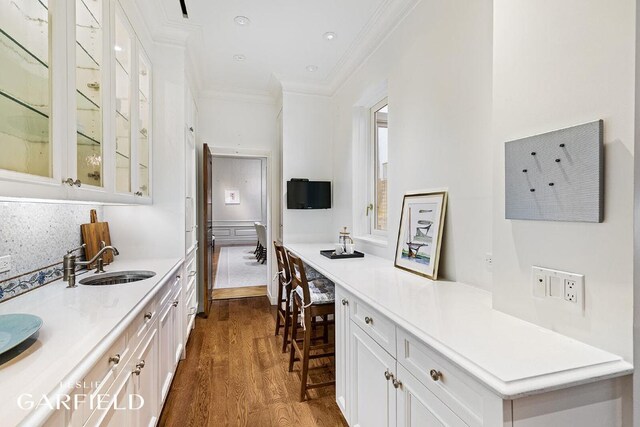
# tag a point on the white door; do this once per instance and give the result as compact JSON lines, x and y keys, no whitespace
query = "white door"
{"x":372,"y":398}
{"x":342,"y":352}
{"x":418,"y":407}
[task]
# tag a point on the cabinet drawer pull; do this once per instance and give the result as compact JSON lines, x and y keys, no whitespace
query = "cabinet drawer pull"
{"x":368,"y":320}
{"x":397,"y":383}
{"x":148,"y":315}
{"x":435,"y":375}
{"x":175,"y":303}
{"x":388,"y":375}
{"x":345,"y":301}
{"x":115,"y":359}
{"x":139,"y":367}
{"x":192,"y":273}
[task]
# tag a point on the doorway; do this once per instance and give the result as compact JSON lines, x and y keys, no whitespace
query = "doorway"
{"x":239,"y":209}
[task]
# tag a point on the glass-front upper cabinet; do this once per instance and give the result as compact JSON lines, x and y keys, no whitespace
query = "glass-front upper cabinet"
{"x":25,"y":95}
{"x":89,"y":93}
{"x":123,"y":47}
{"x":144,"y":126}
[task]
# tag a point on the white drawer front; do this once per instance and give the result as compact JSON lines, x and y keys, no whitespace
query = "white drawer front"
{"x":378,"y":327}
{"x":452,"y":386}
{"x":141,"y":323}
{"x":104,"y":372}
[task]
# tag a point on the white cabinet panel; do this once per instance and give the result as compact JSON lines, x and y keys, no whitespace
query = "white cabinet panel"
{"x":372,"y":399}
{"x":145,"y":383}
{"x":418,"y":407}
{"x":342,"y":352}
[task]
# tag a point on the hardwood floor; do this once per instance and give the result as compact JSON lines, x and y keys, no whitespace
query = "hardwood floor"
{"x":244,"y":292}
{"x":235,"y":374}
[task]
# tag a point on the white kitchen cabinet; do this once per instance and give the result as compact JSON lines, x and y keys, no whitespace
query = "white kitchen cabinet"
{"x":342,"y":351}
{"x":372,"y":399}
{"x":418,"y":407}
{"x":145,"y":381}
{"x":170,"y":339}
{"x":73,"y":112}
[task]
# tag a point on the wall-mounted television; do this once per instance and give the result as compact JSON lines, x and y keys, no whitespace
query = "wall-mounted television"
{"x":305,"y":194}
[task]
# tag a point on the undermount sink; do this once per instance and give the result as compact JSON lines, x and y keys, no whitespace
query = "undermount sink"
{"x":117,"y":278}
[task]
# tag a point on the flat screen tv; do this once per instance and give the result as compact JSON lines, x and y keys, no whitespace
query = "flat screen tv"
{"x":304,"y":194}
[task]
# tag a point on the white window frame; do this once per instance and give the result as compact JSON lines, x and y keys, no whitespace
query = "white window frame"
{"x":372,"y":174}
{"x":363,"y":164}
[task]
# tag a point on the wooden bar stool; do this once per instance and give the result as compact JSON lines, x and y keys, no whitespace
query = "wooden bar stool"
{"x":283,"y":314}
{"x":311,"y":300}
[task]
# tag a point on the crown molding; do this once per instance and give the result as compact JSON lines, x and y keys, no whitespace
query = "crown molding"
{"x":383,"y":22}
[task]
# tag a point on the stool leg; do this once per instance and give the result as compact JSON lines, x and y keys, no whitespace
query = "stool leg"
{"x":278,"y":308}
{"x":294,"y":333}
{"x":325,"y":321}
{"x":287,"y":324}
{"x":305,"y":360}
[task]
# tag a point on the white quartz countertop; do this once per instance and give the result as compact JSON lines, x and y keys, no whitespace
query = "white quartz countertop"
{"x":77,"y":324}
{"x":511,"y":357}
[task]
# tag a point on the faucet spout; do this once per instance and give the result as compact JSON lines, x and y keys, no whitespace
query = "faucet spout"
{"x":70,"y":262}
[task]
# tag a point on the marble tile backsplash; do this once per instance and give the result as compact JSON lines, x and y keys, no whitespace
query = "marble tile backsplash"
{"x":37,"y":235}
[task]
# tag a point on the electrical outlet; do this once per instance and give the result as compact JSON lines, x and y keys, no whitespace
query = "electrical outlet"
{"x":488,"y":261}
{"x":559,"y":290}
{"x":571,"y":290}
{"x":5,"y":263}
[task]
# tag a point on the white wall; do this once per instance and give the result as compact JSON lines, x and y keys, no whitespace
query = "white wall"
{"x":438,"y":66}
{"x":248,"y":177}
{"x":558,"y":64}
{"x":307,"y":153}
{"x":158,"y":230}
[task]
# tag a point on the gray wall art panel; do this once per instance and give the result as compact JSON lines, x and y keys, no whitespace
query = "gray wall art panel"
{"x":556,"y":176}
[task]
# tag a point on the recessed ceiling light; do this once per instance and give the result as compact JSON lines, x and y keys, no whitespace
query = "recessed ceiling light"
{"x":329,"y":36}
{"x":312,"y":68}
{"x":239,"y":58}
{"x":243,"y":21}
{"x":117,"y":48}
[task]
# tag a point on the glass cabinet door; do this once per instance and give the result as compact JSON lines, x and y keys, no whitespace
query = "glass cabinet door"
{"x":89,"y":36}
{"x":144,"y":117}
{"x":25,"y":100}
{"x":123,"y":66}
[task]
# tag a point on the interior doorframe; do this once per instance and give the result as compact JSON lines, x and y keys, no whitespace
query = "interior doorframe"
{"x":268,"y":155}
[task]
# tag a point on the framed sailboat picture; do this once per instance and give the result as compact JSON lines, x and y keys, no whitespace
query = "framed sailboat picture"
{"x":420,"y":233}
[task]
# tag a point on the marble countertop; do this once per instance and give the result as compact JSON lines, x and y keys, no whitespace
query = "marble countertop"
{"x":510,"y":356}
{"x":78,"y":325}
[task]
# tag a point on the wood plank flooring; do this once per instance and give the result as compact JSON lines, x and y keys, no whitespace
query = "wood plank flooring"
{"x":244,"y":292}
{"x":235,"y":374}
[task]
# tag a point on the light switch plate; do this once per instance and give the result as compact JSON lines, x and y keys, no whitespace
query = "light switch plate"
{"x":560,"y":290}
{"x":5,"y":263}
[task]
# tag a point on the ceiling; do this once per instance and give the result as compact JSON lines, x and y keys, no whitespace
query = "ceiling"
{"x":284,"y":37}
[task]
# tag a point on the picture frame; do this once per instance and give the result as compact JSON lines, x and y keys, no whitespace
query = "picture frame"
{"x":231,"y":197}
{"x":420,"y":233}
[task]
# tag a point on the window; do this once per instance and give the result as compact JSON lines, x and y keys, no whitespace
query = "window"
{"x":379,"y":165}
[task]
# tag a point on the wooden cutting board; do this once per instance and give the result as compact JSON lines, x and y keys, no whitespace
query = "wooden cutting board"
{"x":94,"y":233}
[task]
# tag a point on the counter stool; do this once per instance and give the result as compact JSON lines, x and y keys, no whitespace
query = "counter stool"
{"x":283,"y":314}
{"x":310,"y":300}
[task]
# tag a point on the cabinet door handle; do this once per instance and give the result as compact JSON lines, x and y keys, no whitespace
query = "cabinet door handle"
{"x":78,"y":183}
{"x":345,"y":301}
{"x":138,"y":193}
{"x":368,"y":320}
{"x":139,"y":367}
{"x":115,"y":359}
{"x":435,"y":375}
{"x":175,"y":303}
{"x":388,"y":375}
{"x":397,"y":383}
{"x":148,"y":315}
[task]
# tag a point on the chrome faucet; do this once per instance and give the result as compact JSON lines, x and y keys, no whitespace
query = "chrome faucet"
{"x":69,"y":263}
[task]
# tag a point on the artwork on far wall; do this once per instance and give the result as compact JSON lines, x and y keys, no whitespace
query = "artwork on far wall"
{"x":231,"y":197}
{"x":420,"y":233}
